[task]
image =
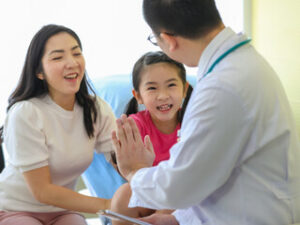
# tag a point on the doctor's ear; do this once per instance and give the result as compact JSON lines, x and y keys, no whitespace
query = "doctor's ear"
{"x":40,"y":76}
{"x":170,"y":41}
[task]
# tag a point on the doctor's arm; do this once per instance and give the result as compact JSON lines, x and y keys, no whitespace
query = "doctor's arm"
{"x":211,"y":144}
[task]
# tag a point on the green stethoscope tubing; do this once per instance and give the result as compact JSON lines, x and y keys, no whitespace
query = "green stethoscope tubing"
{"x":225,"y":54}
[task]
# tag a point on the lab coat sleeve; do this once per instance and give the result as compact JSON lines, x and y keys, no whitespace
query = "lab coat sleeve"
{"x":186,"y":217}
{"x":210,"y":147}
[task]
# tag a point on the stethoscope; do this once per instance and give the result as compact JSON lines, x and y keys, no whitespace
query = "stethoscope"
{"x":225,"y":54}
{"x":216,"y":62}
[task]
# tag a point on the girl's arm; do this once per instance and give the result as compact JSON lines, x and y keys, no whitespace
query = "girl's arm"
{"x":39,"y":182}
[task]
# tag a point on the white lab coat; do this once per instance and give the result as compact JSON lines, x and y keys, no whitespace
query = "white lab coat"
{"x":238,"y":160}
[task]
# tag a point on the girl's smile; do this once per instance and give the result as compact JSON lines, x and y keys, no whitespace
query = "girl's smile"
{"x":161,"y":91}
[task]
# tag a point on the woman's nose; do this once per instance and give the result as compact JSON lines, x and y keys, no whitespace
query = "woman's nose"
{"x":71,"y":62}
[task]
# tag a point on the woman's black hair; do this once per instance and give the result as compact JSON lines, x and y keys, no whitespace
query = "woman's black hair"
{"x":152,"y":58}
{"x":29,"y":86}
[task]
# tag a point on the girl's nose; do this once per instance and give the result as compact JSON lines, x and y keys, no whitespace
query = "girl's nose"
{"x":162,"y":95}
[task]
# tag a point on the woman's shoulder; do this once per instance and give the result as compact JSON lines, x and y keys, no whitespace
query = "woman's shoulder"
{"x":27,"y":111}
{"x":103,"y":106}
{"x":26,"y":106}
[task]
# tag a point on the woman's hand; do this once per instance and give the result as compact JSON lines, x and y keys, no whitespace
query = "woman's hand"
{"x":131,"y":152}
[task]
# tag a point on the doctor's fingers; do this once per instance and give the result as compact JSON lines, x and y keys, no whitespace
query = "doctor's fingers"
{"x":135,"y":131}
{"x":115,"y":140}
{"x":121,"y":135}
{"x":128,"y":132}
{"x":123,"y":118}
{"x":148,"y":144}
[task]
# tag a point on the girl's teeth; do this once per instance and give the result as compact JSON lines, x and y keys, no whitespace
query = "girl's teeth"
{"x":164,"y":107}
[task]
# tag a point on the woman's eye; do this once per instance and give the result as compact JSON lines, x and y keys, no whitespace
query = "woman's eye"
{"x":172,"y":85}
{"x":57,"y":58}
{"x":77,"y":54}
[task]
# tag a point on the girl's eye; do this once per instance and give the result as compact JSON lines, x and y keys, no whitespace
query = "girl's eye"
{"x":172,"y":85}
{"x":151,"y":88}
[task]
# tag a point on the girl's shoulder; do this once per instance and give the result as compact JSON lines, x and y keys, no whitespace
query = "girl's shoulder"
{"x":142,"y":118}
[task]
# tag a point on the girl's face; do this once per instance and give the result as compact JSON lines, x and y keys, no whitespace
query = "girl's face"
{"x":161,"y":91}
{"x":63,"y":66}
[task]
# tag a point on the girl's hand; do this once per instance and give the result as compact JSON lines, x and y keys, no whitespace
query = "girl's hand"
{"x":160,"y":219}
{"x":131,"y":152}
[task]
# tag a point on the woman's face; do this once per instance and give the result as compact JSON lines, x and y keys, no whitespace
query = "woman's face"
{"x":63,"y":66}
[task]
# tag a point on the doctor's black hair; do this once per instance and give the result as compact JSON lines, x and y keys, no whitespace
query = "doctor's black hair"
{"x":151,"y":58}
{"x":187,"y":18}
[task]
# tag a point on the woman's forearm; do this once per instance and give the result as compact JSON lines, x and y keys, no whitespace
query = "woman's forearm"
{"x":68,"y":199}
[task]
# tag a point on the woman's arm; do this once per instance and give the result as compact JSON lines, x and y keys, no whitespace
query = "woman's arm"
{"x":39,"y":182}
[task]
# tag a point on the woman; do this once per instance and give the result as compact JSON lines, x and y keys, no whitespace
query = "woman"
{"x":52,"y":127}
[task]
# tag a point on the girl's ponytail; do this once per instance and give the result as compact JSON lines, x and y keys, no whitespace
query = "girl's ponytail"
{"x":131,"y":107}
{"x":1,"y":135}
{"x":185,"y":102}
{"x":2,"y":164}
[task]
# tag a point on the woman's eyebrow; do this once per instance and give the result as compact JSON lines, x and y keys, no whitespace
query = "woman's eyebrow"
{"x":61,"y":50}
{"x":57,"y":51}
{"x":75,"y":47}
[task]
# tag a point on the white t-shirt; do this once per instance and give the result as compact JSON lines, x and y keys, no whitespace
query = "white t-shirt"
{"x":37,"y":133}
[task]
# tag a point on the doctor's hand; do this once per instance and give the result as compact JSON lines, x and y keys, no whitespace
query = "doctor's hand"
{"x":131,"y":152}
{"x":160,"y":219}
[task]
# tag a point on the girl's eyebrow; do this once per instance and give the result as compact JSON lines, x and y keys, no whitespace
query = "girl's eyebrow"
{"x":170,"y":80}
{"x":150,"y":83}
{"x":61,"y":50}
{"x":167,"y":81}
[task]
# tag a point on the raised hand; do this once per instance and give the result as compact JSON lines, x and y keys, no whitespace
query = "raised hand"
{"x":131,"y":152}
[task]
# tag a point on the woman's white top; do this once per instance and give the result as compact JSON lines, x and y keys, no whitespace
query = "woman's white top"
{"x":39,"y":133}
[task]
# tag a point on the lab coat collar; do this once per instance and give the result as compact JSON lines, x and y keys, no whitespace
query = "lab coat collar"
{"x":226,"y":39}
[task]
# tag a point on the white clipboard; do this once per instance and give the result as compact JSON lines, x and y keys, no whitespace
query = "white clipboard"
{"x":117,"y":216}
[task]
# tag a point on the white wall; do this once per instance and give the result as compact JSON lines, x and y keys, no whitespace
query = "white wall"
{"x":113,"y":33}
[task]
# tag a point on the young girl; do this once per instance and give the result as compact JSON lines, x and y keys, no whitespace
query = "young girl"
{"x":52,"y":127}
{"x":160,"y":85}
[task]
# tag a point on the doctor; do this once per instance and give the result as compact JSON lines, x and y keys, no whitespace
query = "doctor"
{"x":238,"y":158}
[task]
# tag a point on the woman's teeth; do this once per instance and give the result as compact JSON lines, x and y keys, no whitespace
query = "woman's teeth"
{"x":73,"y":76}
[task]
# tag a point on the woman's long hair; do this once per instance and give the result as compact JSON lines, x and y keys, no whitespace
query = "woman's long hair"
{"x":29,"y":86}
